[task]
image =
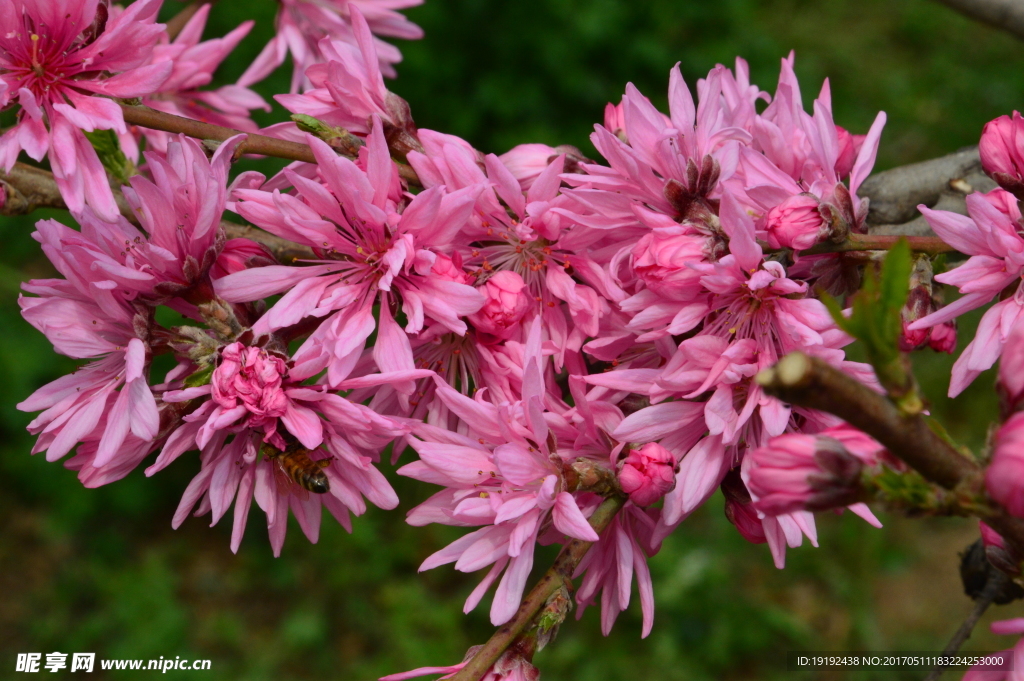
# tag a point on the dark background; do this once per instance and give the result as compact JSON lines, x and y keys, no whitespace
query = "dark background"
{"x":102,"y":571}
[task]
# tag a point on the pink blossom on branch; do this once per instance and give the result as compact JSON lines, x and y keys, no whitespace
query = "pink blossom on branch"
{"x":303,"y":24}
{"x":61,"y":60}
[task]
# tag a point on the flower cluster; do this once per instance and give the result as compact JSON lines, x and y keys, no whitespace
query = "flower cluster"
{"x":549,"y":336}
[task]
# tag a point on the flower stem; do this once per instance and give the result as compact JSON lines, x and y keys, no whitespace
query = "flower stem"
{"x":931,"y":245}
{"x":558,"y":574}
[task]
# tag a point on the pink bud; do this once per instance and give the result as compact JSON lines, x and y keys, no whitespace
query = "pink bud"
{"x":1002,"y":151}
{"x":1005,"y":475}
{"x":739,"y":509}
{"x":449,"y":269}
{"x":795,"y":223}
{"x":943,"y":338}
{"x":990,"y":537}
{"x":527,"y":161}
{"x":648,"y":473}
{"x":661,"y":259}
{"x":507,"y":303}
{"x":237,"y":255}
{"x":849,"y":147}
{"x":796,"y":472}
{"x":250,"y":377}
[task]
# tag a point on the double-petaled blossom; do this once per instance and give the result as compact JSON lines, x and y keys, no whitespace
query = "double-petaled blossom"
{"x":990,"y":234}
{"x":253,"y":418}
{"x":90,"y":314}
{"x":194,"y":62}
{"x":303,"y":25}
{"x":62,"y":61}
{"x":373,"y":246}
{"x":348,"y":89}
{"x":504,"y":471}
{"x":817,"y":472}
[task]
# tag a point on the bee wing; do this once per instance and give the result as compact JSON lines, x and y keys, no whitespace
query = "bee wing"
{"x":285,"y":483}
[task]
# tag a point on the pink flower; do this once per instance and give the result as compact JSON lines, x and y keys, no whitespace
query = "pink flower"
{"x":648,"y":473}
{"x":303,"y":25}
{"x":662,"y":259}
{"x":507,"y":304}
{"x":253,"y":416}
{"x":609,"y":566}
{"x":991,"y":236}
{"x":194,"y":63}
{"x":54,"y":57}
{"x":810,"y":472}
{"x":505,"y":474}
{"x":849,"y":148}
{"x":90,"y":314}
{"x":374,"y":246}
{"x":1002,"y":151}
{"x":527,"y":161}
{"x":1004,"y":475}
{"x":796,"y":223}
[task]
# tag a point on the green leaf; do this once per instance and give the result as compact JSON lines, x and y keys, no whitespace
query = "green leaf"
{"x":199,"y":378}
{"x":108,"y":148}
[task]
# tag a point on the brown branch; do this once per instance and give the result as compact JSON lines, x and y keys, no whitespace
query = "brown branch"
{"x":286,"y":252}
{"x":254,"y":144}
{"x":932,"y":245}
{"x":558,"y":574}
{"x":1007,"y":15}
{"x":895,"y":194}
{"x":810,"y":382}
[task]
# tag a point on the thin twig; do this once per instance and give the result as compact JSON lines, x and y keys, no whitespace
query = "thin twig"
{"x":895,"y":194}
{"x":558,"y":574}
{"x":810,"y":382}
{"x":996,"y":582}
{"x":254,"y":144}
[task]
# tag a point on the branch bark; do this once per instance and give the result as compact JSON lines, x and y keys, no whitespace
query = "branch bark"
{"x":1007,"y":15}
{"x":895,"y":194}
{"x":812,"y":383}
{"x":254,"y":144}
{"x":558,"y":574}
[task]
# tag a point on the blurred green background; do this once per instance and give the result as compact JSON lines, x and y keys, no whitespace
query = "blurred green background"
{"x":102,"y":571}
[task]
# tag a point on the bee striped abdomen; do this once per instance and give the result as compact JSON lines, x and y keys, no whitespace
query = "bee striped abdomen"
{"x":305,"y":472}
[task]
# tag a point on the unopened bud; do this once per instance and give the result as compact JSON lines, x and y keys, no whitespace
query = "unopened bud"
{"x":795,"y":223}
{"x":1002,"y":152}
{"x":648,"y":473}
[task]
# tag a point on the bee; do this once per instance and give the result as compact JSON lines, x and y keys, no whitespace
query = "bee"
{"x":295,"y":465}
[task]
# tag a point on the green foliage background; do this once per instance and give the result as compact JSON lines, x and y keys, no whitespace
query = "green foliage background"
{"x":101,"y":570}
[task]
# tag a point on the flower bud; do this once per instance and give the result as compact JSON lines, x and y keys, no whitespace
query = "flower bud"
{"x":1004,"y":477}
{"x":849,"y":147}
{"x":1002,"y":152}
{"x":661,"y":260}
{"x":238,"y":255}
{"x":739,"y":509}
{"x":250,"y":377}
{"x":507,"y":303}
{"x":796,"y":223}
{"x":1001,"y":556}
{"x":943,"y":337}
{"x":795,"y":472}
{"x":647,"y":474}
{"x":449,"y":269}
{"x":925,"y":298}
{"x":527,"y":161}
